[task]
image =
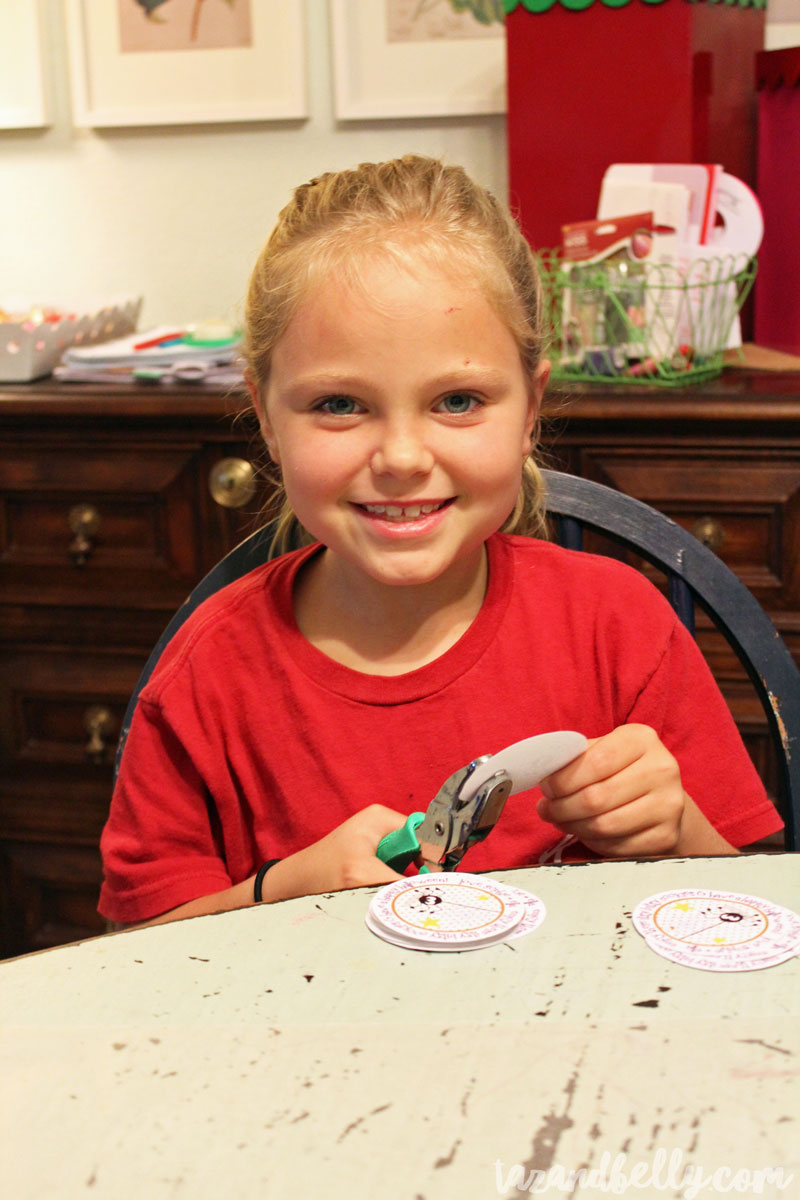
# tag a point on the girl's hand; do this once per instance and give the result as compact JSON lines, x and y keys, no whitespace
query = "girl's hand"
{"x":345,"y":858}
{"x":623,"y":798}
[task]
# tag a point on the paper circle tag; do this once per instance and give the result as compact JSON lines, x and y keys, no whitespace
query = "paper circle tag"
{"x":447,"y":910}
{"x":718,"y":931}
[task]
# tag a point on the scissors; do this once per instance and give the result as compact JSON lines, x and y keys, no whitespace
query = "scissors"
{"x":470,"y":802}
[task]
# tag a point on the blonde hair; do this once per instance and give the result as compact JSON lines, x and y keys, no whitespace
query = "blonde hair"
{"x":400,"y":210}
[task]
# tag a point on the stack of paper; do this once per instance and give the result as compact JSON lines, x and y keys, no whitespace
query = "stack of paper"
{"x":209,"y":353}
{"x":682,"y":196}
{"x":452,"y":911}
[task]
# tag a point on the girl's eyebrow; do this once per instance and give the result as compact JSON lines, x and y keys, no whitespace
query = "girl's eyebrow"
{"x":326,"y":382}
{"x":467,"y":376}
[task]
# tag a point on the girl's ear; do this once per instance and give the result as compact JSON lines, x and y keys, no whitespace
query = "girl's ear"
{"x":535,"y":392}
{"x":259,"y":404}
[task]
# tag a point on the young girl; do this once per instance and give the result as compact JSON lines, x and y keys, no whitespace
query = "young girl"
{"x":395,"y":361}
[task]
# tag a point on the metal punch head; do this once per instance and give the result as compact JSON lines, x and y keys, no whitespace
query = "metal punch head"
{"x":453,"y":823}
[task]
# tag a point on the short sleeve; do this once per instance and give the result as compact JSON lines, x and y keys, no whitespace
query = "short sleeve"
{"x":159,"y":845}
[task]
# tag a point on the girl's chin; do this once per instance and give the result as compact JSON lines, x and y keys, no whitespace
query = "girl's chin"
{"x":411,"y":569}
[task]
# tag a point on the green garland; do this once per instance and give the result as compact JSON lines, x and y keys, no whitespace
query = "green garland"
{"x":540,"y":6}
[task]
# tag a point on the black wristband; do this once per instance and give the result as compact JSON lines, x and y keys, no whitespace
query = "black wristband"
{"x":259,"y":879}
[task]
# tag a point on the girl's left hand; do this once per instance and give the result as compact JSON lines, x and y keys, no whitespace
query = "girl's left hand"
{"x":623,"y":798}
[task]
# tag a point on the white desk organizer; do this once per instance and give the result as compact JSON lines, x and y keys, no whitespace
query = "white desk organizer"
{"x":29,"y":350}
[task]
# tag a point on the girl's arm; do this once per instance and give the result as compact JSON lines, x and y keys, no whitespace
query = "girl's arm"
{"x":623,"y":798}
{"x":345,"y":858}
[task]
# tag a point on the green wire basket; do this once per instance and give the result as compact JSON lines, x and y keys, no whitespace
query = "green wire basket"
{"x":641,"y":322}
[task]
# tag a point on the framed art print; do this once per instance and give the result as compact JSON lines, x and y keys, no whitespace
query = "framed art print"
{"x":417,"y":58}
{"x":22,"y":99}
{"x":169,"y":62}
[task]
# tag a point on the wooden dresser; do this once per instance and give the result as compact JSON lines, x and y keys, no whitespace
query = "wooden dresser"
{"x":107,"y":519}
{"x":106,"y":522}
{"x":723,"y":460}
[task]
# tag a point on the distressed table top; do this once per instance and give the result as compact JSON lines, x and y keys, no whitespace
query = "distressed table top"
{"x":286,"y":1051}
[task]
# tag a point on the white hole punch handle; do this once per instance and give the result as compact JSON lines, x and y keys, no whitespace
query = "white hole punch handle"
{"x":528,"y":761}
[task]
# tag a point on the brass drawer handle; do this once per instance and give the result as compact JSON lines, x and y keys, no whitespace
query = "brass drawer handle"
{"x":99,"y":724}
{"x":232,"y":482}
{"x":710,"y":532}
{"x":84,"y":521}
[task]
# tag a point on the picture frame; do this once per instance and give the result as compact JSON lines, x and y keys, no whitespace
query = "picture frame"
{"x":441,"y":77}
{"x":262,"y":81}
{"x":783,"y":25}
{"x":23,"y":103}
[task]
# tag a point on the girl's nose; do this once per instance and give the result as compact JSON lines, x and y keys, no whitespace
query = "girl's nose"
{"x":403,"y":452}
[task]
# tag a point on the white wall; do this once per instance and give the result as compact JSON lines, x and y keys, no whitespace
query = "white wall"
{"x":178,"y":214}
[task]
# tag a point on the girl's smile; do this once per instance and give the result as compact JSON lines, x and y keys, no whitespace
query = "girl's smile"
{"x":405,"y":520}
{"x":400,"y":413}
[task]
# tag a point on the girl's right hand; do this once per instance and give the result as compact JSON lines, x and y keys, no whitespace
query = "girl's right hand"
{"x":344,"y":858}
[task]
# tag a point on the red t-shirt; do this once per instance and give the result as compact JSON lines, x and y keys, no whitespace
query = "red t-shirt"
{"x":248,"y":743}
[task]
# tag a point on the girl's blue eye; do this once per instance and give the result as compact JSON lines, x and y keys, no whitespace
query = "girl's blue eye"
{"x":339,"y":406}
{"x":458,"y":402}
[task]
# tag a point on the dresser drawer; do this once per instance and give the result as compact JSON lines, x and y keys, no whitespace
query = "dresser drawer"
{"x":48,"y":896}
{"x":108,"y":525}
{"x":745,"y":507}
{"x":60,"y":718}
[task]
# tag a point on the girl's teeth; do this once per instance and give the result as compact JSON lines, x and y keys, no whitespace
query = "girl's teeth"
{"x":395,"y":511}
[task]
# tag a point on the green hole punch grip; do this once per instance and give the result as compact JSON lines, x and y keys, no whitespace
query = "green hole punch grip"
{"x":400,"y":848}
